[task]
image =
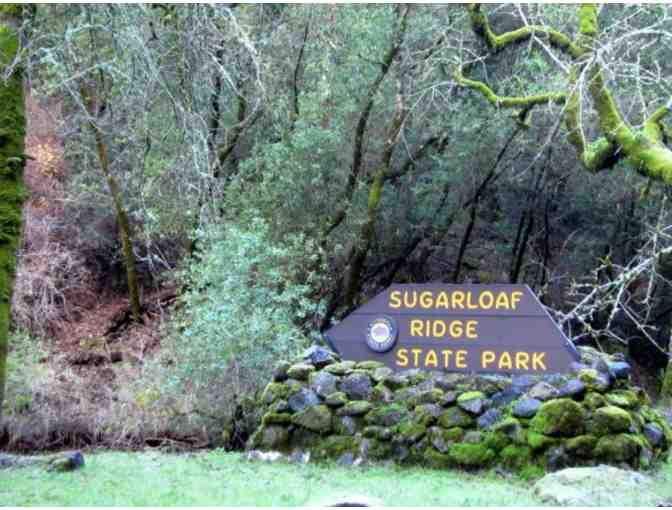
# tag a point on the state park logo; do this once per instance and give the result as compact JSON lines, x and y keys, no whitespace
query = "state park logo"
{"x":463,"y":328}
{"x":381,"y":334}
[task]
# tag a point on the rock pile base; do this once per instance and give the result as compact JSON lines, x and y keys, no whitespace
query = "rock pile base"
{"x":354,"y":412}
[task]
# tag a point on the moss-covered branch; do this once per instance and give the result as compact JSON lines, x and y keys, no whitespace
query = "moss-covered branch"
{"x":481,"y":27}
{"x":12,"y":159}
{"x":509,"y":101}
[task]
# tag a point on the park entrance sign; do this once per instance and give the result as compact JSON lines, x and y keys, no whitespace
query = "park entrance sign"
{"x":456,"y":328}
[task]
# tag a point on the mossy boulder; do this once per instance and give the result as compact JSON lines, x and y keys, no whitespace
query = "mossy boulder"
{"x":336,"y":399}
{"x":623,"y":398}
{"x":323,"y":383}
{"x":618,"y":448}
{"x":442,"y":439}
{"x":333,"y":447}
{"x":274,"y":391}
{"x":379,"y":374}
{"x":276,"y":418}
{"x":300,"y":371}
{"x":427,"y":414}
{"x":594,"y":380}
{"x":538,"y":441}
{"x":594,"y":400}
{"x":473,"y":402}
{"x":512,"y":429}
{"x":610,"y":420}
{"x":355,"y":408}
{"x":582,"y":446}
{"x":356,"y":385}
{"x":340,"y":368}
{"x":369,"y":365}
{"x":431,"y":396}
{"x":471,"y":455}
{"x":410,"y":432}
{"x":455,"y":417}
{"x":437,"y":460}
{"x":346,"y":425}
{"x":560,"y":418}
{"x":272,"y":437}
{"x":387,"y":415}
{"x":314,"y":418}
{"x":515,"y":457}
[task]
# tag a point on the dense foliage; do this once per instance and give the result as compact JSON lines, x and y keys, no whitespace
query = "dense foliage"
{"x":278,"y":165}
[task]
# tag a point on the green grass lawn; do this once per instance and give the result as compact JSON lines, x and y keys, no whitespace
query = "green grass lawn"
{"x":227,"y":479}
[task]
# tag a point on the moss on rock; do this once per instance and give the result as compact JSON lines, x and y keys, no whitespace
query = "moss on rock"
{"x":610,"y":420}
{"x":560,"y":418}
{"x":314,"y":418}
{"x":582,"y":446}
{"x":437,"y":460}
{"x":455,"y":417}
{"x":627,"y":399}
{"x":617,"y":448}
{"x":471,"y":455}
{"x":387,"y":415}
{"x":515,"y":457}
{"x":355,"y":408}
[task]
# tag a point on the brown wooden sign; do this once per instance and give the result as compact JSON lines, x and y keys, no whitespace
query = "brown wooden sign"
{"x":460,"y":328}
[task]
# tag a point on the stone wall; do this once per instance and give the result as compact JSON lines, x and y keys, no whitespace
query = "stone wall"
{"x":354,"y":412}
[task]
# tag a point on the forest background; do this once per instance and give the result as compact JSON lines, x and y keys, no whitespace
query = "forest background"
{"x":211,"y":186}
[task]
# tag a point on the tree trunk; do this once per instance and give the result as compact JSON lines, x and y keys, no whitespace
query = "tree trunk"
{"x":12,"y":160}
{"x":122,"y":221}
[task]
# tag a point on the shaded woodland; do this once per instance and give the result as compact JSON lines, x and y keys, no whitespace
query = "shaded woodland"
{"x":211,"y":186}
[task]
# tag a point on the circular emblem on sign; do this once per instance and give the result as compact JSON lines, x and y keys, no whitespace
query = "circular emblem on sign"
{"x":381,"y":334}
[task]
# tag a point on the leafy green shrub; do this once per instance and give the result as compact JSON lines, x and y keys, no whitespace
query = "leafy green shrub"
{"x":248,"y":299}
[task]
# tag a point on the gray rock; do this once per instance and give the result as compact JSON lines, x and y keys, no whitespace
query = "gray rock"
{"x":301,"y":399}
{"x":526,"y":408}
{"x":543,"y":391}
{"x":619,"y":369}
{"x":475,"y":405}
{"x":505,"y":397}
{"x":572,"y":388}
{"x":319,"y":356}
{"x":590,"y":486}
{"x":345,"y":425}
{"x":300,"y":371}
{"x":357,"y":386}
{"x":489,"y":418}
{"x":323,"y":383}
{"x":449,"y":398}
{"x":523,"y":382}
{"x":654,"y":434}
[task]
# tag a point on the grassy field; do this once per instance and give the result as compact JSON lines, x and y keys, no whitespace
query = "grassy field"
{"x":219,"y":478}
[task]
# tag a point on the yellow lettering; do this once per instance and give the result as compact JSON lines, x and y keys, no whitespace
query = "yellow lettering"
{"x":538,"y":359}
{"x":426,"y":299}
{"x":447,"y":353}
{"x":430,"y":359}
{"x":471,"y":329}
{"x":416,"y":327}
{"x":460,"y":359}
{"x":487,"y":357}
{"x":410,"y":304}
{"x":470,"y":304}
{"x":442,"y":300}
{"x":456,"y":329}
{"x":505,"y":361}
{"x":438,"y":329}
{"x":395,"y":299}
{"x":502,"y":301}
{"x":416,"y":356}
{"x":458,"y":299}
{"x":522,"y":359}
{"x":515,"y":298}
{"x":402,"y":358}
{"x":486,"y":303}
